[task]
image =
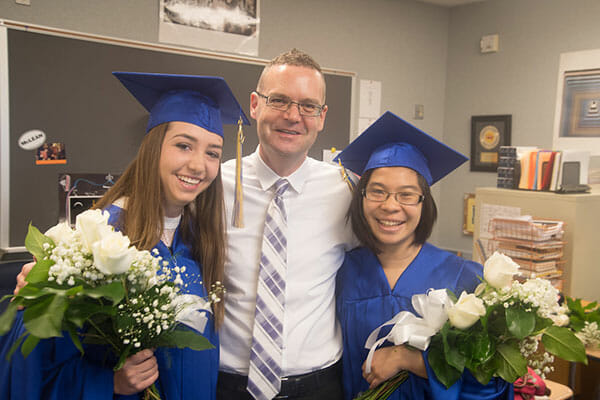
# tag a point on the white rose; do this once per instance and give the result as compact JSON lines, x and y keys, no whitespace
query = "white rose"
{"x":60,"y":233}
{"x":92,"y":224}
{"x":467,"y":310}
{"x":112,"y":254}
{"x":499,"y":269}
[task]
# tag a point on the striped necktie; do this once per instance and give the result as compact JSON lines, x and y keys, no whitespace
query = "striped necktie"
{"x":264,"y":375}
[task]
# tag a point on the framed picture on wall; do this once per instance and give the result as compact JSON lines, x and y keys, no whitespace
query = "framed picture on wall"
{"x":488,"y":133}
{"x":468,"y":213}
{"x":577,"y":115}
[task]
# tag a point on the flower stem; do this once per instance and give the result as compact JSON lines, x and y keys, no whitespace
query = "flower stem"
{"x":115,"y":347}
{"x":385,"y":389}
{"x":151,"y":393}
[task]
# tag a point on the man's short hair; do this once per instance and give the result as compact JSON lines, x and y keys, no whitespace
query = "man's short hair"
{"x":296,"y":58}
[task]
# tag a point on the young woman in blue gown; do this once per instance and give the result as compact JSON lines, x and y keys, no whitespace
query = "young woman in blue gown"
{"x":170,"y":198}
{"x":392,"y":214}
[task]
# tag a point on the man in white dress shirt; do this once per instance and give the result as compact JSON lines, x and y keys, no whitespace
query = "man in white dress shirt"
{"x":289,"y":108}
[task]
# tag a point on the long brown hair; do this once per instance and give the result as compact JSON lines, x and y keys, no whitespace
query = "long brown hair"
{"x":361,"y":228}
{"x":202,"y":223}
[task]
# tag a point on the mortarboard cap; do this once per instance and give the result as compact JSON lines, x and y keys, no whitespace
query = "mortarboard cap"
{"x":205,"y":101}
{"x":392,"y":142}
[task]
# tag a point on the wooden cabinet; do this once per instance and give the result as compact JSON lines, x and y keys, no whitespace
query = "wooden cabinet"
{"x":581,"y":214}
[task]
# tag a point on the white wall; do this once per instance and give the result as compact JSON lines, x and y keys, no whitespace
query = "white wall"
{"x":520,"y":80}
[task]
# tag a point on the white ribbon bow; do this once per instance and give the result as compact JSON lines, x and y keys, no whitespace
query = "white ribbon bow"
{"x":193,"y":311}
{"x":411,"y":329}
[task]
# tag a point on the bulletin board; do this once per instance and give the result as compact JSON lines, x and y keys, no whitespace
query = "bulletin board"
{"x":62,"y":84}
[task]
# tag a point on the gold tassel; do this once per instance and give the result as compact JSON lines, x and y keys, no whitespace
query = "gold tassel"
{"x":346,"y":177}
{"x":238,"y":204}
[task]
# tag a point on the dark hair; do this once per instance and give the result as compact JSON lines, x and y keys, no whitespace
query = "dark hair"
{"x":361,"y":227}
{"x":202,"y":222}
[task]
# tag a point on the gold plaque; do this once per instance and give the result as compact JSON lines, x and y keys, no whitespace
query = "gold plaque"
{"x":489,"y":137}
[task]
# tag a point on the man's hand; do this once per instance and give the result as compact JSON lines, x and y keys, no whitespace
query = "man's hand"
{"x":139,"y":371}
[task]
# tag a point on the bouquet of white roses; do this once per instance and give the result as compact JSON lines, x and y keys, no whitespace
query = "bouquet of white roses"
{"x":91,"y":284}
{"x":493,"y":332}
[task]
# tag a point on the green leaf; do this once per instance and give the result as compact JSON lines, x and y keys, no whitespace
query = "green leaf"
{"x":74,"y":290}
{"x":79,"y":312}
{"x":444,"y":373}
{"x":480,"y":347}
{"x":15,"y":346}
{"x":575,"y":306}
{"x":510,"y":364}
{"x":29,"y":344}
{"x":185,"y":338}
{"x":34,"y":241}
{"x":33,"y":291}
{"x":29,"y":291}
{"x":484,"y":372}
{"x":496,"y":321}
{"x":520,"y":322}
{"x":123,"y":356}
{"x":576,"y":323}
{"x":6,"y":297}
{"x":44,"y":319}
{"x":8,"y":317}
{"x":590,"y":306}
{"x":39,"y":272}
{"x":75,"y":338}
{"x":564,"y":344}
{"x":113,"y":291}
{"x":451,"y":295}
{"x":542,"y":323}
{"x":452,"y":350}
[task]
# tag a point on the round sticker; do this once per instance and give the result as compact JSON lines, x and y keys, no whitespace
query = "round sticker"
{"x":32,"y":139}
{"x":489,"y":137}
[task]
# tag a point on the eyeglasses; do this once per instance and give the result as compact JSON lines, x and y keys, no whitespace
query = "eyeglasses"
{"x":283,"y":103}
{"x":405,"y":198}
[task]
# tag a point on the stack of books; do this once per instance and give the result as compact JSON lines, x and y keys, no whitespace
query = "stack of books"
{"x":538,"y":169}
{"x":536,"y":259}
{"x":535,"y":244}
{"x":508,"y":177}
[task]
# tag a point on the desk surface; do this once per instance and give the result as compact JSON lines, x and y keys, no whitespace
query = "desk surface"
{"x":558,"y":391}
{"x":593,"y":353}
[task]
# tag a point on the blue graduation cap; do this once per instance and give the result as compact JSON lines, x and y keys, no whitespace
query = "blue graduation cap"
{"x":392,"y":142}
{"x":205,"y":101}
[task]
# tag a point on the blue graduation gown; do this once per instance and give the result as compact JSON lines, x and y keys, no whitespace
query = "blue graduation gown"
{"x":55,"y":370}
{"x":365,"y":301}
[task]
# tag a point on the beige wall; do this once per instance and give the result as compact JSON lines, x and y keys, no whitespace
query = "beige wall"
{"x":422,"y":54}
{"x":401,"y":43}
{"x":520,"y":80}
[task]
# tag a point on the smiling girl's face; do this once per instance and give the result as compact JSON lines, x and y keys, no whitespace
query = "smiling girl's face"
{"x":393,"y":224}
{"x":189,"y":161}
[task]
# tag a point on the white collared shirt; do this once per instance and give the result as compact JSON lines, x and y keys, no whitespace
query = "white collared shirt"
{"x":318,"y":236}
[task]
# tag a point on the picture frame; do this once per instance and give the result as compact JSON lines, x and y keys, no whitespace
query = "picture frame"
{"x":468,"y":214}
{"x":577,"y":111}
{"x":488,"y":133}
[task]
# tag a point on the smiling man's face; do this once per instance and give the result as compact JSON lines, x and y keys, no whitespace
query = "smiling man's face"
{"x":286,"y":136}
